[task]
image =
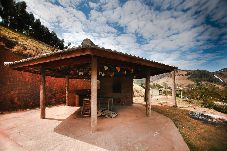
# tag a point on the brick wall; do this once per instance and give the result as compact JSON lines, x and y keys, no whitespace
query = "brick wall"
{"x":20,"y":90}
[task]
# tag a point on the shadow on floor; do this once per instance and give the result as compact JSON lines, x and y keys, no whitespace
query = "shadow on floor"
{"x":107,"y":136}
{"x":54,"y":119}
{"x":130,"y":130}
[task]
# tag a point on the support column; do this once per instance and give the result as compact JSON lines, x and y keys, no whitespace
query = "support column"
{"x":67,"y":90}
{"x":145,"y":97}
{"x":148,"y":95}
{"x":42,"y":94}
{"x":181,"y":93}
{"x":93,"y":94}
{"x":174,"y":89}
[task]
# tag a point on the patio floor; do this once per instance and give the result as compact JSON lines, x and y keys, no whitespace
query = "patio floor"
{"x":62,"y":130}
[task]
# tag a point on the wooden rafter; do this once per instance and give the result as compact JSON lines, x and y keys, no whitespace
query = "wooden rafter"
{"x":69,"y":62}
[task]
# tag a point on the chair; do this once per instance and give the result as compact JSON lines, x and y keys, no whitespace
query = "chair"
{"x":86,"y":108}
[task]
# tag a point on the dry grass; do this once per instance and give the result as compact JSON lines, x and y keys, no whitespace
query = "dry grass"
{"x":23,"y":44}
{"x":197,"y":134}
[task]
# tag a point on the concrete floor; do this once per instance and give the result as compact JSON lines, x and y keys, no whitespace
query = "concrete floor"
{"x":62,"y":130}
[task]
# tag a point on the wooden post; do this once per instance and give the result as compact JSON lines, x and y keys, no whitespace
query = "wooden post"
{"x":67,"y":90}
{"x":42,"y":94}
{"x":145,"y":96}
{"x":174,"y":89}
{"x":93,"y":94}
{"x":181,"y":93}
{"x":148,"y":95}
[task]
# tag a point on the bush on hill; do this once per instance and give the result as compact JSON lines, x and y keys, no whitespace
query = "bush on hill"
{"x":208,"y":94}
{"x":203,"y":75}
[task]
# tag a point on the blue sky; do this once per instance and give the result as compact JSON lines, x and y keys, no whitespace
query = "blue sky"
{"x":189,"y":34}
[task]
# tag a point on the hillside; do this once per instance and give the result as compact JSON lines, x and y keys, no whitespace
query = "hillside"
{"x":222,"y":74}
{"x":165,"y":79}
{"x":22,"y":44}
{"x":182,"y":79}
{"x":205,"y":76}
{"x":187,"y":78}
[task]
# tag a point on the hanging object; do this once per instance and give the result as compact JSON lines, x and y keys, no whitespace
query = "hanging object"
{"x":105,"y":67}
{"x":118,"y":69}
{"x":112,"y":74}
{"x":125,"y":72}
{"x":81,"y":73}
{"x":102,"y":74}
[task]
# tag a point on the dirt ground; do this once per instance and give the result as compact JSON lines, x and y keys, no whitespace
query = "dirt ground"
{"x":167,"y":100}
{"x":62,"y":130}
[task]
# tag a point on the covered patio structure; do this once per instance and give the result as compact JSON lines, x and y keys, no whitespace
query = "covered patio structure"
{"x":91,"y":62}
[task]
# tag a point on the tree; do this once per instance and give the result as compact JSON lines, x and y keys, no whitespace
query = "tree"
{"x":7,"y":11}
{"x":19,"y":21}
{"x":15,"y":16}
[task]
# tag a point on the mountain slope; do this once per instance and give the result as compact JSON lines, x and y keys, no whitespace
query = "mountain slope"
{"x":181,"y":79}
{"x":185,"y":78}
{"x":205,"y":76}
{"x":22,"y":44}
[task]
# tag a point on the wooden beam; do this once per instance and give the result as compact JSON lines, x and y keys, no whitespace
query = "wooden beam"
{"x":99,"y":52}
{"x":67,"y":90}
{"x":174,"y":89}
{"x":148,"y":95}
{"x":69,"y":62}
{"x":93,"y":94}
{"x":51,"y":58}
{"x":129,"y":58}
{"x":61,"y":68}
{"x":181,"y":94}
{"x":42,"y":94}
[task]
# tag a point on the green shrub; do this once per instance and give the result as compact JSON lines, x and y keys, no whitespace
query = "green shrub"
{"x":220,"y":108}
{"x":207,"y":94}
{"x":208,"y":104}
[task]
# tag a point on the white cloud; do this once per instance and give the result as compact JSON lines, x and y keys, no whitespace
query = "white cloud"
{"x":171,"y":29}
{"x":68,"y":3}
